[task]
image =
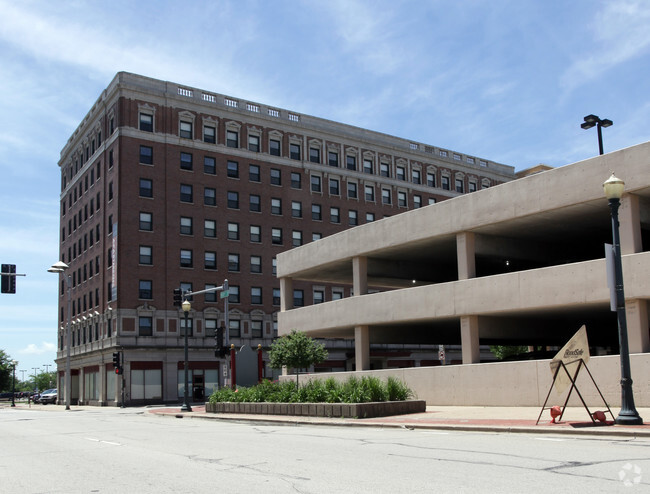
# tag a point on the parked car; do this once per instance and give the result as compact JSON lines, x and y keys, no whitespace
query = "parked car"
{"x":48,"y":396}
{"x":35,"y":397}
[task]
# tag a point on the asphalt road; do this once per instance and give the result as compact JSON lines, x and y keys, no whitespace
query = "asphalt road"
{"x":111,"y":450}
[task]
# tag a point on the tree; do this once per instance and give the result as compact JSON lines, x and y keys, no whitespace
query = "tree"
{"x":5,"y":371}
{"x":296,"y":350}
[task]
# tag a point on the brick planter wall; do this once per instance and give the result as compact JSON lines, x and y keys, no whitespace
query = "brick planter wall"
{"x":346,"y":410}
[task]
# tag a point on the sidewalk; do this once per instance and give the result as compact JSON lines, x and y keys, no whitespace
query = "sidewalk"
{"x":485,"y":419}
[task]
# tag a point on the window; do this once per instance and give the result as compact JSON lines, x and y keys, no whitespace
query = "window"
{"x":256,"y":327}
{"x":209,"y":228}
{"x":353,"y":219}
{"x":432,"y":200}
{"x":186,"y":193}
{"x":186,"y":226}
{"x":276,"y":236}
{"x":210,"y":196}
{"x":145,"y":326}
{"x":367,"y":166}
{"x":294,"y":151}
{"x":333,"y":158}
{"x":146,"y":122}
{"x":276,"y":206}
{"x":417,"y":201}
{"x":296,"y":182}
{"x":233,"y":169}
{"x":370,"y":193}
{"x":319,"y":296}
{"x":316,"y":212}
{"x":472,"y":186}
{"x":209,"y":165}
{"x":314,"y":155}
{"x":233,"y":262}
{"x":256,"y":295}
{"x":233,"y":231}
{"x":401,"y":173}
{"x":445,"y":183}
{"x":459,"y":185}
{"x":187,"y":287}
{"x":253,"y":173}
{"x":334,"y":187}
{"x":298,"y":298}
{"x":254,"y":143}
{"x":232,"y":139}
{"x":233,"y":200}
{"x":384,"y":170}
{"x":110,"y":193}
{"x":144,"y":290}
{"x":335,"y":215}
{"x":234,"y":325}
{"x":210,"y":324}
{"x":145,"y":255}
{"x":186,"y":161}
{"x":431,"y":179}
{"x":254,"y":203}
{"x":209,"y":134}
{"x":256,"y":233}
{"x":443,"y":153}
{"x":210,"y":297}
{"x":276,"y":296}
{"x":256,"y":264}
{"x":457,"y":157}
{"x":296,"y":209}
{"x":274,"y":266}
{"x":351,"y":162}
{"x":385,"y":196}
{"x":146,"y":222}
{"x":274,"y":147}
{"x":186,"y":258}
{"x":187,"y":326}
{"x":210,"y":260}
{"x":186,"y":130}
{"x":276,"y":176}
{"x":296,"y":238}
{"x":146,"y":155}
{"x":352,"y":190}
{"x":370,"y":217}
{"x":401,"y":199}
{"x":416,"y":176}
{"x":315,"y":183}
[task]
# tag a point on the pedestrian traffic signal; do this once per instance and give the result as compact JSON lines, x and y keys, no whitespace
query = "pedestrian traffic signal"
{"x":220,"y":350}
{"x":116,"y":362}
{"x":8,"y":278}
{"x":178,"y":297}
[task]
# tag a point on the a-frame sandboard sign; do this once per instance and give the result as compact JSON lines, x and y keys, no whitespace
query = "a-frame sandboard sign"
{"x":566,"y":366}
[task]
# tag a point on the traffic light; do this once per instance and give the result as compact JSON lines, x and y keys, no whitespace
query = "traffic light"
{"x":8,"y":278}
{"x":220,"y":351}
{"x":178,"y":297}
{"x":116,"y":363}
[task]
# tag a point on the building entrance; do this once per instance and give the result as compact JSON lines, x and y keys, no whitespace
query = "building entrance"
{"x":198,"y":388}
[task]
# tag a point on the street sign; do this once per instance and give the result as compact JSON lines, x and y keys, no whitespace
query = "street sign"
{"x":224,"y":294}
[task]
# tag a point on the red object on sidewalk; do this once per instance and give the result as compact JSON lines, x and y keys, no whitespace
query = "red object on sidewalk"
{"x":556,"y":411}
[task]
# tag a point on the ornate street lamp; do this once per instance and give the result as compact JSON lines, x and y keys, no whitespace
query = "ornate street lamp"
{"x":60,"y":268}
{"x":14,"y":363}
{"x":590,"y":121}
{"x":186,"y":404}
{"x":628,"y":415}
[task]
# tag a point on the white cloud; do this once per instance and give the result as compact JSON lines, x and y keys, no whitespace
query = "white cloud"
{"x":34,"y":349}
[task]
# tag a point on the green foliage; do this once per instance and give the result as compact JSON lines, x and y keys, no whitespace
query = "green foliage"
{"x":296,"y":350}
{"x":502,"y":352}
{"x":353,"y":390}
{"x":5,"y":371}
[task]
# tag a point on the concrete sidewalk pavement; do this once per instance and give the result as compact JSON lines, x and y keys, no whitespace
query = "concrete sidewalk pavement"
{"x":486,"y":419}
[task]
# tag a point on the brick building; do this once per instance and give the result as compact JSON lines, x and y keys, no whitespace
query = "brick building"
{"x":166,"y":186}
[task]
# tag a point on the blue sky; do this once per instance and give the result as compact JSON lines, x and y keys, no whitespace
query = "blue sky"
{"x":505,"y":80}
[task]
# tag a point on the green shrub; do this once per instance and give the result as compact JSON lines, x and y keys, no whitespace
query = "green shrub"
{"x":353,"y":390}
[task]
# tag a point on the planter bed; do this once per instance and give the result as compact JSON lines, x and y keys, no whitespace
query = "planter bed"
{"x":345,"y":410}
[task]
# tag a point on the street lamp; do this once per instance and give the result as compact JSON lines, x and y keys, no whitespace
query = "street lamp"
{"x":590,"y":121}
{"x":628,"y":415}
{"x":186,"y":404}
{"x":60,"y":268}
{"x":14,"y":363}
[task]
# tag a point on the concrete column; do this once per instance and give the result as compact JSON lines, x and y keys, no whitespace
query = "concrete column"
{"x":360,"y":275}
{"x":362,"y":347}
{"x":638,"y":334}
{"x":82,"y":386}
{"x":469,"y":339}
{"x":465,"y":253}
{"x":286,"y":294}
{"x":102,"y":385}
{"x":630,"y":224}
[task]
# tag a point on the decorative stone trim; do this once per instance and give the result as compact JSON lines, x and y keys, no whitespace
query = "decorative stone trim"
{"x":344,"y":410}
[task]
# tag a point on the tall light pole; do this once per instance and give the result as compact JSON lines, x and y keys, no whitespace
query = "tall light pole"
{"x":186,"y":404}
{"x":60,"y":268}
{"x":590,"y":121}
{"x":14,"y":363}
{"x":628,"y":415}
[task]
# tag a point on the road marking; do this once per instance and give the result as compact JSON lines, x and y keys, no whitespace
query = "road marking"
{"x":100,"y":441}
